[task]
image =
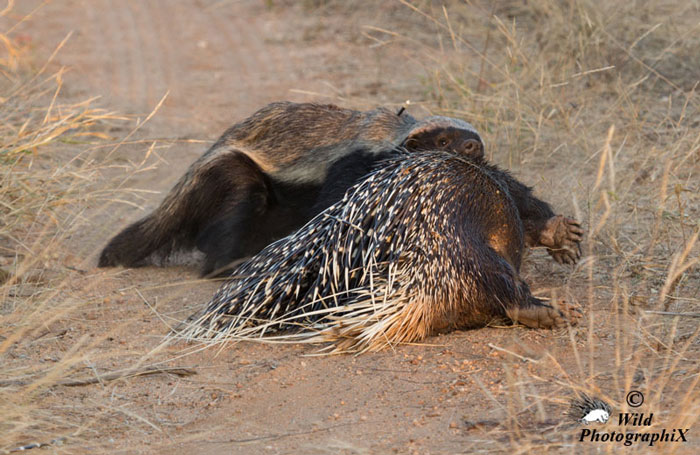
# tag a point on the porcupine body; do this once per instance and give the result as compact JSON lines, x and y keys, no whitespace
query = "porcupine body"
{"x":428,"y":243}
{"x":271,"y":173}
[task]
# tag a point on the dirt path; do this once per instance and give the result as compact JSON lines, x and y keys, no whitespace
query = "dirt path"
{"x":219,"y":61}
{"x":133,"y":52}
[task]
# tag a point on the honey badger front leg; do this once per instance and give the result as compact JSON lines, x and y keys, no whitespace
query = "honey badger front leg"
{"x":559,"y":234}
{"x":562,"y":237}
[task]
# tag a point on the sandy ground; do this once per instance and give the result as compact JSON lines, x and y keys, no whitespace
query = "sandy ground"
{"x":218,"y":61}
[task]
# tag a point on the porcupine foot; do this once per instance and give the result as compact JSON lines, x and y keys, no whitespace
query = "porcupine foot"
{"x":562,"y":237}
{"x":541,"y":315}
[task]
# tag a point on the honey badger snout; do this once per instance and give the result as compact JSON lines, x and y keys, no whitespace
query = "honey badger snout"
{"x":471,"y":147}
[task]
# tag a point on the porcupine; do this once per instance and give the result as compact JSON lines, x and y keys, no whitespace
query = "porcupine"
{"x":427,"y":243}
{"x":271,"y":173}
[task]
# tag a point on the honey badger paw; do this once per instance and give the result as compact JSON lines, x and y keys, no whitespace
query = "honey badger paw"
{"x":562,"y":236}
{"x":541,"y":315}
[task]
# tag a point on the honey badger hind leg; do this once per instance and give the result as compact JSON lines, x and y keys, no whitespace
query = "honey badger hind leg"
{"x":226,"y":237}
{"x":225,"y":182}
{"x":501,"y":292}
{"x":538,"y":314}
{"x":260,"y":211}
{"x":524,"y":308}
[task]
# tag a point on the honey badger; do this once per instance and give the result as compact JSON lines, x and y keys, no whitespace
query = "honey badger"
{"x":269,"y":174}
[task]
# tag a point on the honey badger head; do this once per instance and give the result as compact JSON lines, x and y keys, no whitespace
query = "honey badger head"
{"x":448,"y":134}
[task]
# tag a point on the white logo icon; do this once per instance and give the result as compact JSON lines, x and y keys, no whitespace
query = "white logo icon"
{"x":596,"y":415}
{"x":585,"y":409}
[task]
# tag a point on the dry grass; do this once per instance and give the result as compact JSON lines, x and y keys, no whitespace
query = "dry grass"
{"x":45,"y":188}
{"x":594,"y":102}
{"x":598,"y":101}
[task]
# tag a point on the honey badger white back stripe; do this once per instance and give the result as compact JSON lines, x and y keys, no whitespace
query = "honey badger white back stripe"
{"x":440,"y":121}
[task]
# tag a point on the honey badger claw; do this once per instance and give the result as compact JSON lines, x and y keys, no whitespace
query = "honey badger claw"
{"x":562,"y":236}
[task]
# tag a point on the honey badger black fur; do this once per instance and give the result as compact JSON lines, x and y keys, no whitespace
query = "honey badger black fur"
{"x":269,"y":174}
{"x":427,"y":243}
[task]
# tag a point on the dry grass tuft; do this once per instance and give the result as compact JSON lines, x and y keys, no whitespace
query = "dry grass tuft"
{"x":44,"y":190}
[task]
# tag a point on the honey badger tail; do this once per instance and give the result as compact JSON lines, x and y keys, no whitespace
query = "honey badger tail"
{"x":131,"y":246}
{"x":212,"y":188}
